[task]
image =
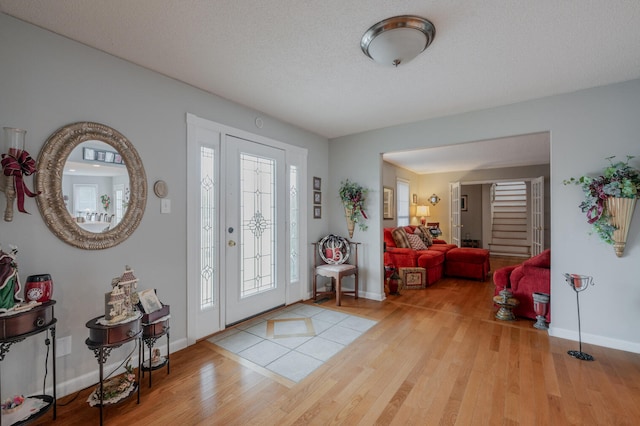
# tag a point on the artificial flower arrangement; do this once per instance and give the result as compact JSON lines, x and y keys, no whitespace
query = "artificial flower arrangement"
{"x":116,"y":388}
{"x":12,"y":404}
{"x":106,"y":202}
{"x":353,"y":198}
{"x":619,"y":180}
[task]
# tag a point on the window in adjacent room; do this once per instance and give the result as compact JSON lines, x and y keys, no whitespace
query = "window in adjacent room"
{"x":402,"y":200}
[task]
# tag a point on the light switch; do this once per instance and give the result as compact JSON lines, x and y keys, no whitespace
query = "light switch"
{"x":165,"y":206}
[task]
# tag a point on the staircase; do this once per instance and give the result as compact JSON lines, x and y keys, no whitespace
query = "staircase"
{"x":510,"y":225}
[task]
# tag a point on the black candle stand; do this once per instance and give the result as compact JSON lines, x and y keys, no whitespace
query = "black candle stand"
{"x":579,"y":283}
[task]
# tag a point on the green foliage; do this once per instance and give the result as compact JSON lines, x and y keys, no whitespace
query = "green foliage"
{"x":353,"y":197}
{"x":619,"y":180}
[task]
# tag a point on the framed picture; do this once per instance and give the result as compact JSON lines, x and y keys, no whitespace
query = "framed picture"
{"x":88,"y":154}
{"x":100,"y":155}
{"x":317,"y":197}
{"x":109,"y":156}
{"x":415,"y":199}
{"x":317,"y":183}
{"x":117,"y":159}
{"x":149,"y":300}
{"x":463,"y":203}
{"x":387,"y":203}
{"x":317,"y":212}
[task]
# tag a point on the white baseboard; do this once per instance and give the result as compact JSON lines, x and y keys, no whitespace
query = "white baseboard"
{"x":371,"y":295}
{"x":594,"y":339}
{"x":78,"y":383}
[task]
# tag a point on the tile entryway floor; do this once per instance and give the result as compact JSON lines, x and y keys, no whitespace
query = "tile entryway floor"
{"x":294,"y":341}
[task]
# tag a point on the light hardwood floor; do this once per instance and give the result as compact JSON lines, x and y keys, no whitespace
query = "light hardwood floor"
{"x":437,"y":356}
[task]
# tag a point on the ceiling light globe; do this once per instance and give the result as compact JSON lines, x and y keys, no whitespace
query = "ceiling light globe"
{"x":397,"y":40}
{"x":397,"y":46}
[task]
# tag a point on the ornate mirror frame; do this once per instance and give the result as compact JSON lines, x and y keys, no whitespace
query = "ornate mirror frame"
{"x":48,"y":180}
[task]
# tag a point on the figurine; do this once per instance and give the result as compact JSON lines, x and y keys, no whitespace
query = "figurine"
{"x":122,"y":300}
{"x":9,"y":280}
{"x":156,"y":356}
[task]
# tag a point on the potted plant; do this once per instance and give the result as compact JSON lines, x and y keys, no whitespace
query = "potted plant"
{"x":353,"y":198}
{"x":106,"y":202}
{"x":609,"y":201}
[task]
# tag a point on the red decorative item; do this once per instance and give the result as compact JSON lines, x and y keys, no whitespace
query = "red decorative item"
{"x":38,"y":288}
{"x":393,"y":282}
{"x":23,"y":165}
{"x":17,"y":163}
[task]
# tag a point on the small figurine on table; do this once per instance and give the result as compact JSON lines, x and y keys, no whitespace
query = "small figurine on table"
{"x":120,"y":303}
{"x":9,"y":280}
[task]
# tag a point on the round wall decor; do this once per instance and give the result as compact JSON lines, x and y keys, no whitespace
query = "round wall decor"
{"x":160,"y":189}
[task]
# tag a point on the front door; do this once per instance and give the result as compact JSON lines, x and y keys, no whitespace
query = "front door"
{"x":255,"y":246}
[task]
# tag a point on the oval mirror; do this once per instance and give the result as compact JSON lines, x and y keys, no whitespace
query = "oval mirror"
{"x":93,"y":185}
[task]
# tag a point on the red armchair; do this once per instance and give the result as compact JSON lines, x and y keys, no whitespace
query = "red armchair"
{"x":532,"y":275}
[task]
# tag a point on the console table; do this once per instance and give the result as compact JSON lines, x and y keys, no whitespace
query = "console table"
{"x":151,"y":332}
{"x":15,"y":328}
{"x":103,"y":338}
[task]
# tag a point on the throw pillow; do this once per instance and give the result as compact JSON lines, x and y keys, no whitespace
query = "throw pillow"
{"x":425,"y":235}
{"x":416,"y":242}
{"x":400,"y":238}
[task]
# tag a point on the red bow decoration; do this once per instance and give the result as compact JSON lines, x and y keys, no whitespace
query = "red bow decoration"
{"x":24,"y":165}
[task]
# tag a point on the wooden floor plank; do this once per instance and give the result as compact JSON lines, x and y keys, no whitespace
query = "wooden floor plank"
{"x":436,"y":357}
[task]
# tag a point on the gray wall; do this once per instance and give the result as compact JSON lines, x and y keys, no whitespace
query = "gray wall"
{"x":46,"y":82}
{"x":586,"y":127}
{"x":390,"y":175}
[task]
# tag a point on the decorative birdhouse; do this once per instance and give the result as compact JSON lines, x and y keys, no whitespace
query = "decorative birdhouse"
{"x":121,"y":302}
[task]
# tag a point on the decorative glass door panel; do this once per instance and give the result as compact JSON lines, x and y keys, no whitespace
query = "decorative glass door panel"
{"x":208,"y":227}
{"x":257,"y":216}
{"x":255,"y":249}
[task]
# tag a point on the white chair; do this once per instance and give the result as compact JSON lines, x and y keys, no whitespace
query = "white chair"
{"x":334,"y":252}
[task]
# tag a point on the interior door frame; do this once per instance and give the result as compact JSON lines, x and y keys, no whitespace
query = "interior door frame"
{"x":537,"y":215}
{"x":454,"y":213}
{"x":529,"y":181}
{"x":296,"y":290}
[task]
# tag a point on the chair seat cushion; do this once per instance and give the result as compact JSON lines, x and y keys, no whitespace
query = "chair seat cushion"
{"x":332,"y":269}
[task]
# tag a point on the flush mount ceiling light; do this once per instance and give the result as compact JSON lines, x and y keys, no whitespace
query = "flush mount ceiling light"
{"x":397,"y":40}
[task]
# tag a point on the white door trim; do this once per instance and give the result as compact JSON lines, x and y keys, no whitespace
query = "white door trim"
{"x":294,"y":156}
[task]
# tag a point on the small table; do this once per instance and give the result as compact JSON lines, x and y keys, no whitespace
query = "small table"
{"x":506,"y":303}
{"x":103,"y":338}
{"x":17,"y":327}
{"x":151,"y":332}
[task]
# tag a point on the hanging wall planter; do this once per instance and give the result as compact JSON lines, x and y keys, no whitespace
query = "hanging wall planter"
{"x":620,"y":214}
{"x":351,"y":225}
{"x":353,"y":198}
{"x":610,"y":200}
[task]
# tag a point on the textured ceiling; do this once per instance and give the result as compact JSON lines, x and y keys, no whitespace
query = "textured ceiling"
{"x":523,"y":150}
{"x":300,"y":61}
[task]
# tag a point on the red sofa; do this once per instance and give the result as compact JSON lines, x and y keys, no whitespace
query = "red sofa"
{"x":432,"y":260}
{"x":531,"y":276}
